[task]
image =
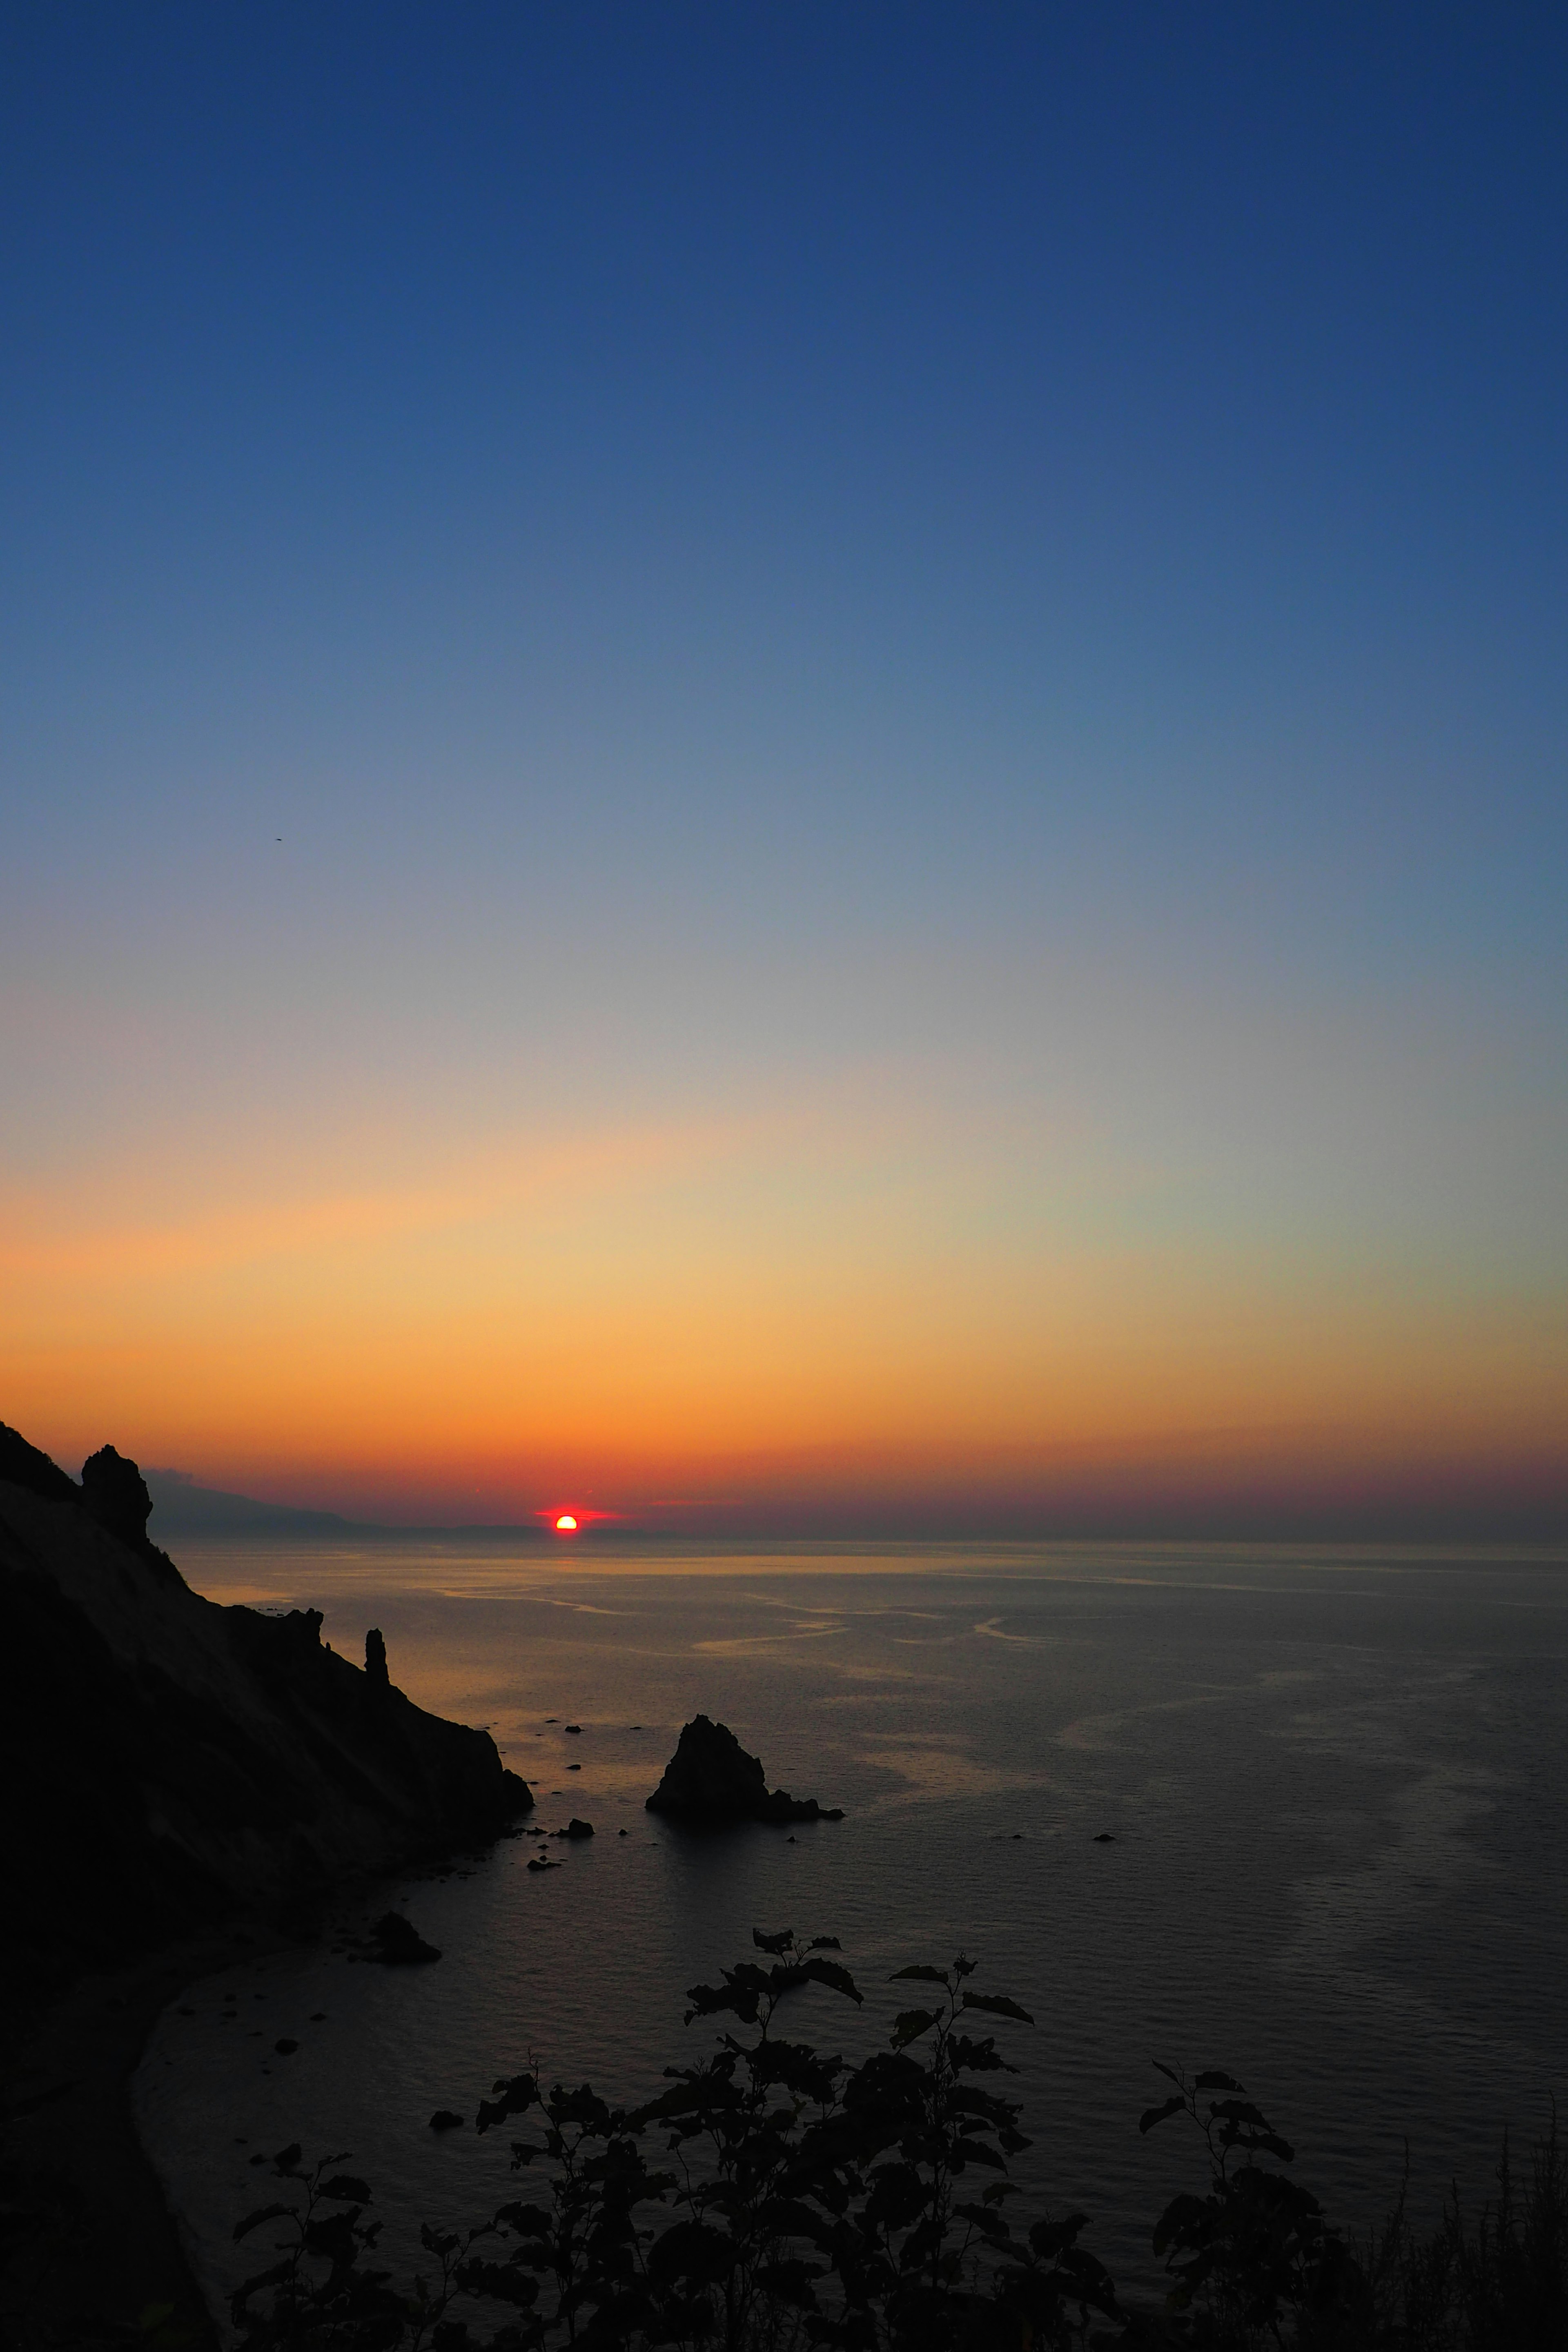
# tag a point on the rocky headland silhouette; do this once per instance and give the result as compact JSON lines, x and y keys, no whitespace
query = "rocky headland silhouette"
{"x":711,"y":1779}
{"x":187,"y":1782}
{"x":189,"y":1763}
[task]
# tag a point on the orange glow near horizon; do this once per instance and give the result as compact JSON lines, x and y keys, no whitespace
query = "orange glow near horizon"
{"x":852,"y":1309}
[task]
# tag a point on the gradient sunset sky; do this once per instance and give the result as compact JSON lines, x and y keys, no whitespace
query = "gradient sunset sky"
{"x":789,"y":766}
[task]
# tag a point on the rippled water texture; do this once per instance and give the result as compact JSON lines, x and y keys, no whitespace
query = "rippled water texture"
{"x":1335,"y":1779}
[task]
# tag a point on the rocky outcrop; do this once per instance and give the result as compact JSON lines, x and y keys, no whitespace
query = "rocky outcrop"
{"x":115,"y":1492}
{"x":399,"y":1944}
{"x":27,"y":1467}
{"x":172,"y":1764}
{"x":712,"y":1779}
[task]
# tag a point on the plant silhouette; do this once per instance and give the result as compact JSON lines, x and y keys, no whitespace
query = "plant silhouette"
{"x":775,"y":2198}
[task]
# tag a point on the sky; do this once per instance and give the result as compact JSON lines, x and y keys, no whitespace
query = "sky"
{"x":786,"y":766}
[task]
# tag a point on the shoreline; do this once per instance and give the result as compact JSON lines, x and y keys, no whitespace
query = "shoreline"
{"x":102,"y":2247}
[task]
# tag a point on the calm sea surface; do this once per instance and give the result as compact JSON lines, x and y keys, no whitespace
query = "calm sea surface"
{"x":1335,"y":1778}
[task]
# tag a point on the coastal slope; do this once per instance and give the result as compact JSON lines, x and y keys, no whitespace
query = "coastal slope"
{"x":176,"y":1764}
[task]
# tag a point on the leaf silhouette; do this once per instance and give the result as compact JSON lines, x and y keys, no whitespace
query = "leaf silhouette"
{"x":345,"y":2190}
{"x":997,"y":2005}
{"x":514,"y":2097}
{"x":836,"y":1979}
{"x":264,"y":2213}
{"x":1152,"y":2116}
{"x":910,"y":2024}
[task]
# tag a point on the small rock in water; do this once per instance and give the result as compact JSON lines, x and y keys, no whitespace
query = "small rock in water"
{"x":399,"y":1942}
{"x":444,"y":2120}
{"x":573,"y":1767}
{"x":318,"y":2017}
{"x":624,"y":1832}
{"x":285,"y":2049}
{"x":575,"y":1727}
{"x":1103,"y":1837}
{"x":576,"y":1829}
{"x":712,"y":1779}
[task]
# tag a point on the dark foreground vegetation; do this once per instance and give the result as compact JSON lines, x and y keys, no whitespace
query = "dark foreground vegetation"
{"x":774,"y":2198}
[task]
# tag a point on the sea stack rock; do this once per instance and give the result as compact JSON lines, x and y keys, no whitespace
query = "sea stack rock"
{"x":115,"y":1492}
{"x":376,"y":1658}
{"x":712,"y":1779}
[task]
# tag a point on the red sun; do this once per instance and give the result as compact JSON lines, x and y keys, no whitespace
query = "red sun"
{"x":566,"y":1525}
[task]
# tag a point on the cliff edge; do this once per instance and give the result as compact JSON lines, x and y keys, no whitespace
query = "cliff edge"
{"x":174,"y":1764}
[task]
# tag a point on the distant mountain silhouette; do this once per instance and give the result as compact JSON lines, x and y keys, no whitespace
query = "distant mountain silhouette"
{"x":182,"y":1508}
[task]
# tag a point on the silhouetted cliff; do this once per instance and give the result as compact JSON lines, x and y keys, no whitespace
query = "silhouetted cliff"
{"x":170,"y":1763}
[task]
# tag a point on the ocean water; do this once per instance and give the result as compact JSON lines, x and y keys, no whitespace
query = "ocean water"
{"x":1334,"y":1780}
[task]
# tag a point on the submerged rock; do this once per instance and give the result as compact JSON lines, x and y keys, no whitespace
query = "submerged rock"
{"x":710,"y":1777}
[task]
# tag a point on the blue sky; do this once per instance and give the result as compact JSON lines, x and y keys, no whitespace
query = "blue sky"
{"x":1008,"y":557}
